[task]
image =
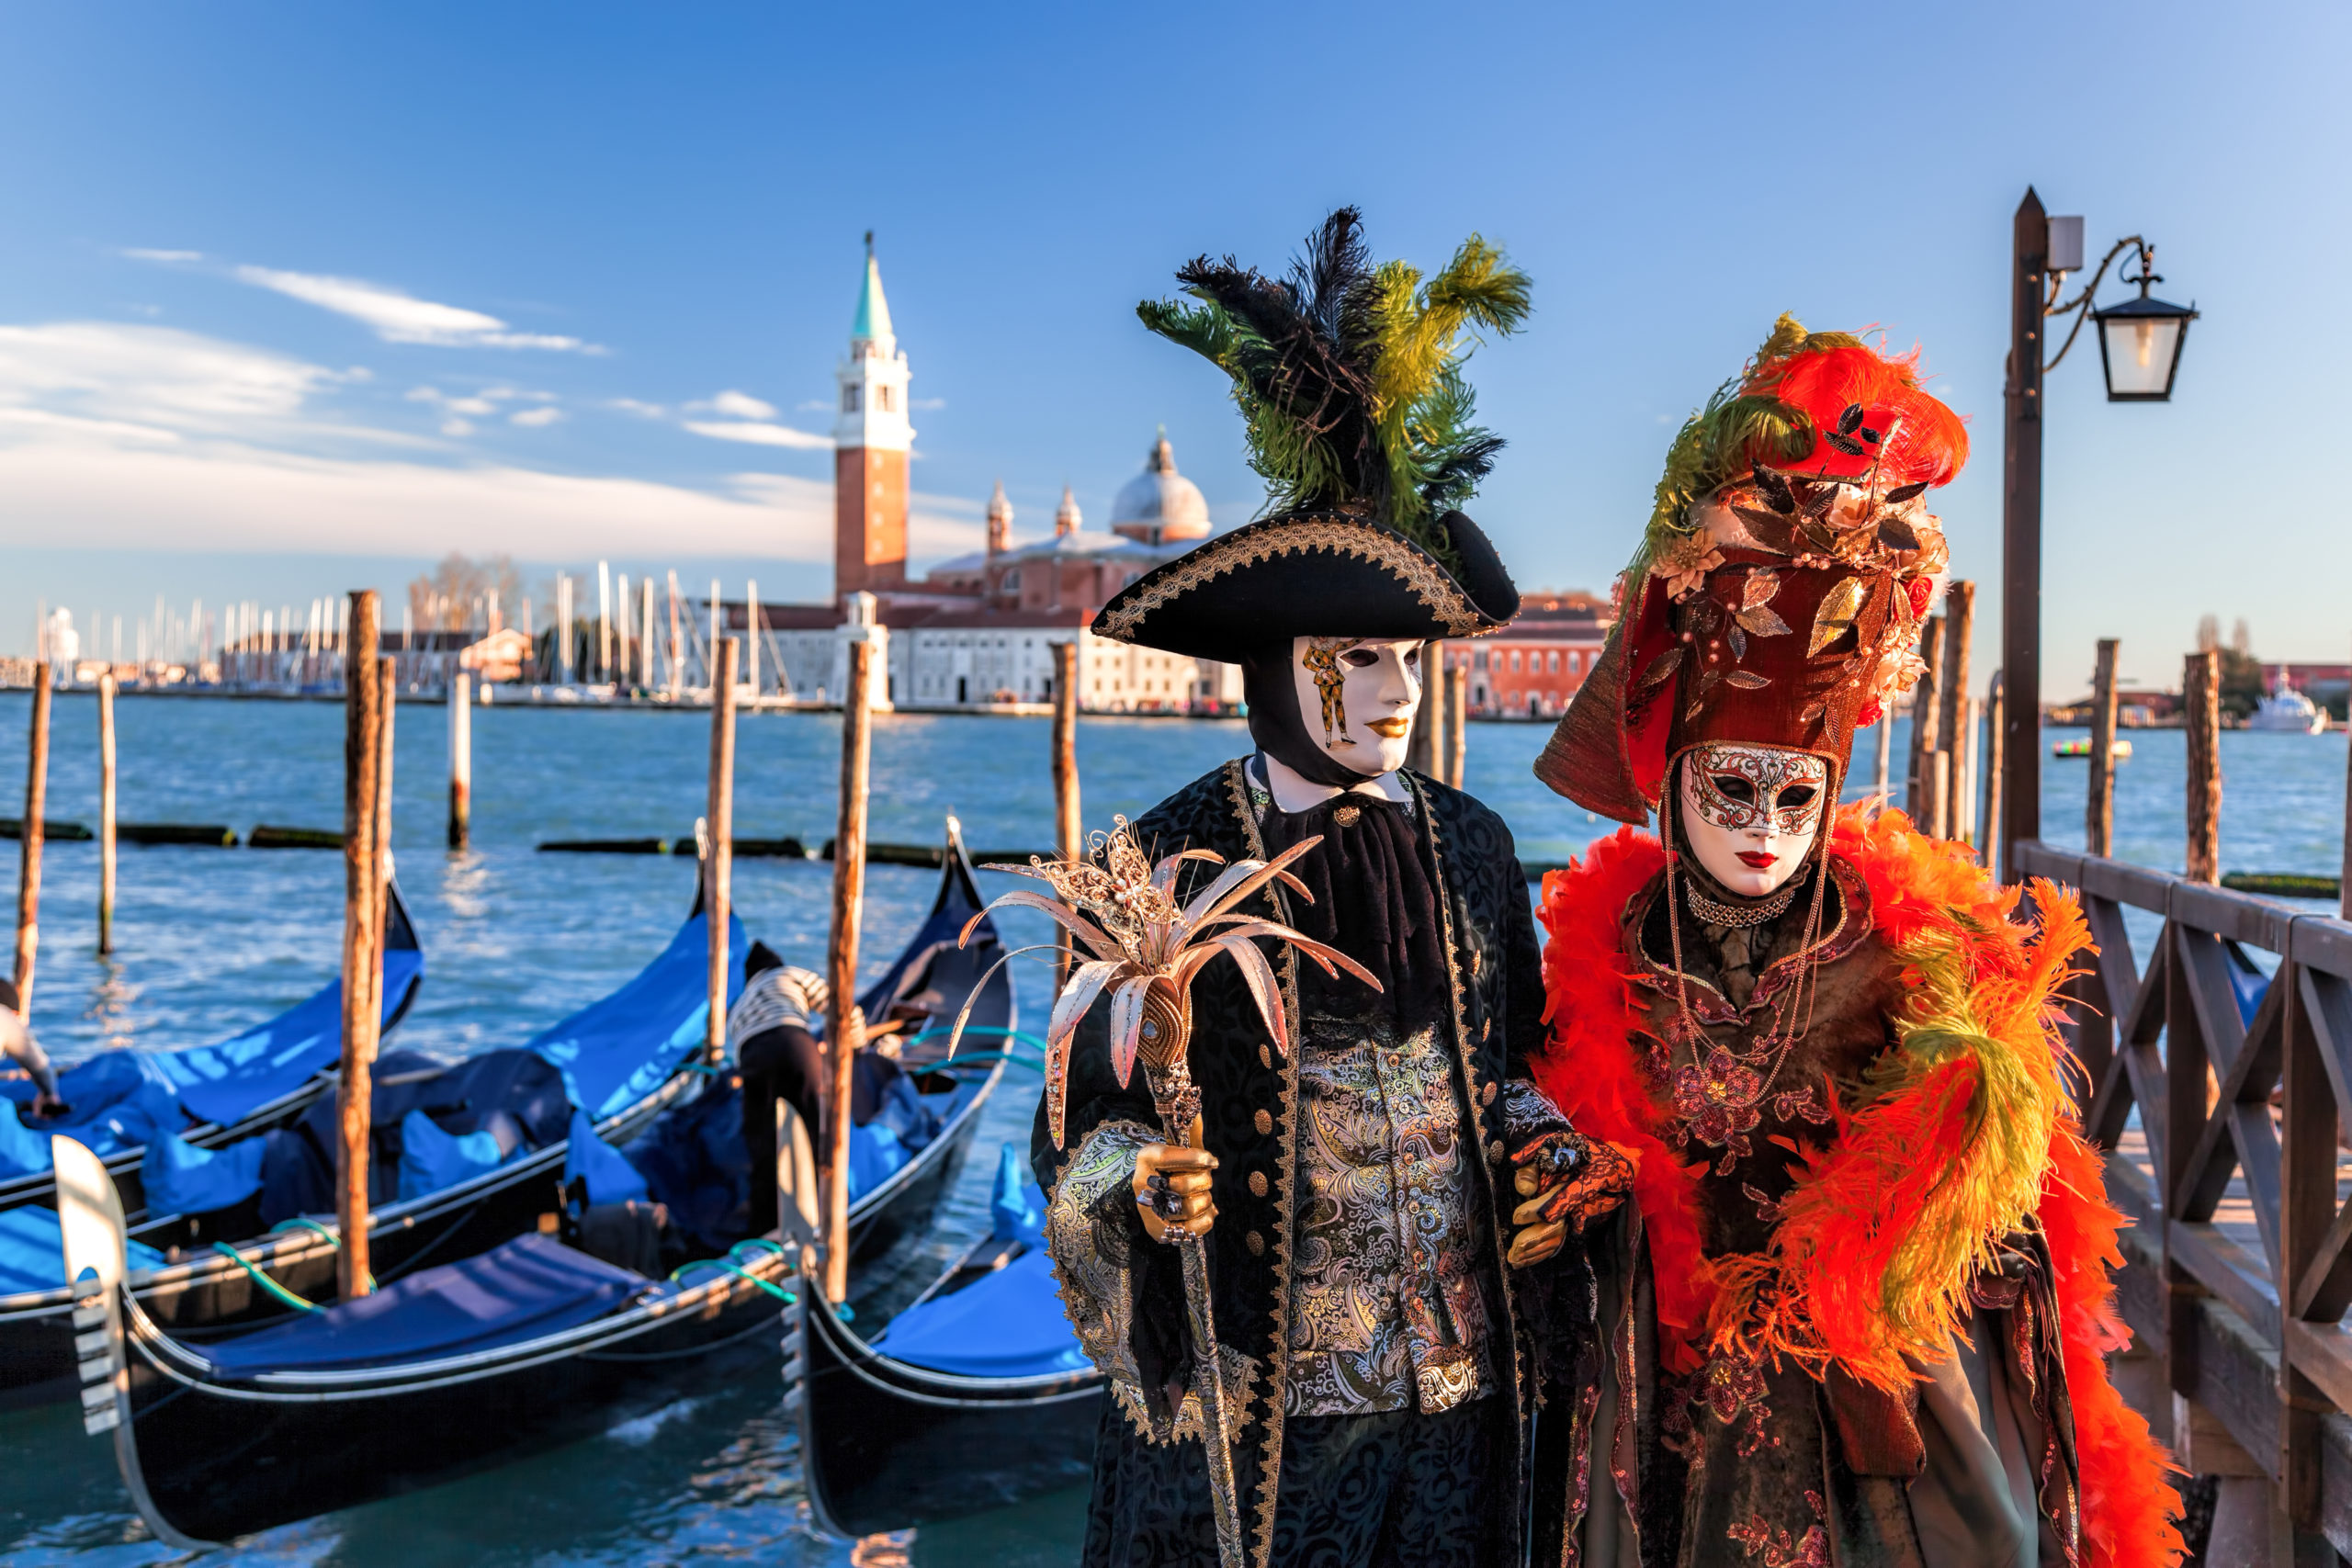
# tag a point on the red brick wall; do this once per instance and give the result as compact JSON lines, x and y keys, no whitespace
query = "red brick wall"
{"x":869,"y":520}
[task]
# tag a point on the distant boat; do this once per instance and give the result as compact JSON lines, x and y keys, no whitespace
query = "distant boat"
{"x":2287,"y":711}
{"x":2119,"y":752}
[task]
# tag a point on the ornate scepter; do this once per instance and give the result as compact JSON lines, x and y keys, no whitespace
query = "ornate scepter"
{"x":1145,"y":949}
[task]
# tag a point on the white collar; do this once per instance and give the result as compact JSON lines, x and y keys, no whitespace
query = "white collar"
{"x":1292,"y":791}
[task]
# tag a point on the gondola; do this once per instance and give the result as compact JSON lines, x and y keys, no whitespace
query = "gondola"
{"x":975,"y":1397}
{"x":211,"y":1095}
{"x":457,"y":1366}
{"x":622,"y":1059}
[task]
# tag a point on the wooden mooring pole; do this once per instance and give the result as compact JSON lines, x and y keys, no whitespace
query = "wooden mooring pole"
{"x":847,"y":1033}
{"x":1458,"y":701}
{"x":2200,"y":689}
{"x":1069,"y":837}
{"x":719,"y":869}
{"x":1952,"y":698}
{"x":2099,"y":801}
{"x":1428,"y":751}
{"x":1994,"y":776}
{"x":363,"y":742}
{"x":105,"y":812}
{"x":1918,"y":782}
{"x":461,"y":756}
{"x":28,"y":861}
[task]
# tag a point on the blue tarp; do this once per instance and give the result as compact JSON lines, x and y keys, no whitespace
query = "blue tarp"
{"x":32,"y":1251}
{"x":532,"y":1285}
{"x":432,"y":1159}
{"x":123,"y":1099}
{"x":615,"y":1051}
{"x":1017,"y":1207}
{"x":1009,"y":1324}
{"x":184,"y":1179}
{"x":611,"y":1178}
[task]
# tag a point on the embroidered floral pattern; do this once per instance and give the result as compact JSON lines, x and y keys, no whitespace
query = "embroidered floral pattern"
{"x":1385,"y":1309}
{"x":1777,"y":1549}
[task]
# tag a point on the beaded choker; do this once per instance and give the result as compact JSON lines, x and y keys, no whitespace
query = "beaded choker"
{"x":1740,"y":915}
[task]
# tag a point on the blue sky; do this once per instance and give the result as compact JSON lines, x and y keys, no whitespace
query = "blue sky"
{"x":295,"y":298}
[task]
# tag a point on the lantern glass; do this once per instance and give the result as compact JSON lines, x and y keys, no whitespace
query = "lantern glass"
{"x":2139,"y":345}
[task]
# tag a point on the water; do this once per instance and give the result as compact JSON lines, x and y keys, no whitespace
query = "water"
{"x":703,"y":1469}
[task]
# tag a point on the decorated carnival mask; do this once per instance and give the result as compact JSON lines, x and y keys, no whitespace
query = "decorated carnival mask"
{"x":1750,"y":813}
{"x":1357,"y":698}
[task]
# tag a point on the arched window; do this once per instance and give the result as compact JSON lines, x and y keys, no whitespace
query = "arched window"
{"x":1514,"y":661}
{"x":849,"y":399}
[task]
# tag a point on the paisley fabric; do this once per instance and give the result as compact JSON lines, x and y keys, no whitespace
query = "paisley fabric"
{"x":1491,"y":1019}
{"x":1385,"y":1307}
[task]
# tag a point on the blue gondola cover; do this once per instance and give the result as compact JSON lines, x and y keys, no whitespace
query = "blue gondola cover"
{"x":530,"y":1286}
{"x":1009,"y":1324}
{"x":32,"y":1252}
{"x":601,"y":1049}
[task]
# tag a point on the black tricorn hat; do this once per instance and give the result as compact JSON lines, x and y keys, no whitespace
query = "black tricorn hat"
{"x":1313,"y":573}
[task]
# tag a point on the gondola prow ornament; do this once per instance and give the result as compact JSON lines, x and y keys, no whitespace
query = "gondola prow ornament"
{"x":1144,"y":949}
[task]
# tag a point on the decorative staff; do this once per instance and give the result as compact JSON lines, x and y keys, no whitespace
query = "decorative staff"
{"x":1145,"y":949}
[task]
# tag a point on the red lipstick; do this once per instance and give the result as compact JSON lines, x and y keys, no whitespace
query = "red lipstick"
{"x":1762,"y":859}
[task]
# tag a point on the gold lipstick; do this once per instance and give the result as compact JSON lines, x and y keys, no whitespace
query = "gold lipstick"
{"x":1394,"y":729}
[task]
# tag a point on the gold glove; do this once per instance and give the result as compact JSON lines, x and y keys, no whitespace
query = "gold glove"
{"x":1172,"y":1189}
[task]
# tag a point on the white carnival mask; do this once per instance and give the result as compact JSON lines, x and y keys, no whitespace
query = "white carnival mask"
{"x":1357,"y":698}
{"x":1750,"y":813}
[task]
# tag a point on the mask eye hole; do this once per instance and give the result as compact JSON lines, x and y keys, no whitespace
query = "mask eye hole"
{"x":1733,"y":788}
{"x":1361,"y":658}
{"x":1797,"y":797}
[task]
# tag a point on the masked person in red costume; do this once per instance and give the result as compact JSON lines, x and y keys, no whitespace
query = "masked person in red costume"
{"x":1857,"y":1310}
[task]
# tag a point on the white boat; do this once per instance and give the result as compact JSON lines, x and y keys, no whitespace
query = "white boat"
{"x":2287,"y":710}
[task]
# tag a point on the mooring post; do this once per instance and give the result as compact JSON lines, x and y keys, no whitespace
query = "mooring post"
{"x":1994,"y":776}
{"x":2200,"y":690}
{"x":388,"y":687}
{"x":105,"y":812}
{"x":28,"y":862}
{"x":1425,"y":753}
{"x":1458,"y":689}
{"x":461,"y":756}
{"x":847,"y":1033}
{"x":1067,"y":835}
{"x":1885,"y":727}
{"x":2344,"y":882}
{"x":719,"y":869}
{"x":362,"y":960}
{"x":1952,"y":674}
{"x":2098,"y":802}
{"x":1917,"y":780}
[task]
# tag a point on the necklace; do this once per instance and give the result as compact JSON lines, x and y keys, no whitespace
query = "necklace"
{"x":1740,"y":915}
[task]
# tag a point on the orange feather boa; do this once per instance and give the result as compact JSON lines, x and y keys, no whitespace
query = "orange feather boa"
{"x":1872,"y":1258}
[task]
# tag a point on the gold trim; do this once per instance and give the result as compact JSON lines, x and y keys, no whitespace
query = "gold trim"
{"x":1399,"y":556}
{"x":1500,"y":1237}
{"x":1270,"y":1446}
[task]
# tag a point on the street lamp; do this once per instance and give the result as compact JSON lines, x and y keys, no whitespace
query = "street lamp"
{"x":2139,"y":345}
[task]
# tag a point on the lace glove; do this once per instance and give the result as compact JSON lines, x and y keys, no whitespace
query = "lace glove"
{"x":1566,"y":1179}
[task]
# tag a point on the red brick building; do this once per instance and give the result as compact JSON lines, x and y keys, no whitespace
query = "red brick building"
{"x":1531,"y":668}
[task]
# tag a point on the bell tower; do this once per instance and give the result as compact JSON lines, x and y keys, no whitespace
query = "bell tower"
{"x":871,"y":441}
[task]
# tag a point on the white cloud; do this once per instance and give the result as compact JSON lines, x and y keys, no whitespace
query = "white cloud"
{"x":397,"y":317}
{"x":456,"y":427}
{"x":166,"y":257}
{"x":536,"y":418}
{"x":762,"y":434}
{"x":642,"y":410}
{"x":734,"y":405}
{"x":171,"y":381}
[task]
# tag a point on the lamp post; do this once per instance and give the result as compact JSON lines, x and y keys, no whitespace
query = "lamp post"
{"x":2139,"y":345}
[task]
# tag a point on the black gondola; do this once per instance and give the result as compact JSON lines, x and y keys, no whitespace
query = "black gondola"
{"x":1006,"y":1411}
{"x":461,"y":1365}
{"x":199,"y":1272}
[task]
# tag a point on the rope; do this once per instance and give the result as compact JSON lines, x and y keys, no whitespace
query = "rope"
{"x":778,"y":1292}
{"x":264,"y":1281}
{"x":298,"y":1222}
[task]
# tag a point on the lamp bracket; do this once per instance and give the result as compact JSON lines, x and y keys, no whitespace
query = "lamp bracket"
{"x":2079,"y":306}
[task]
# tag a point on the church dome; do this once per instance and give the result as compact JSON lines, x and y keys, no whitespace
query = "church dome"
{"x":1160,"y":504}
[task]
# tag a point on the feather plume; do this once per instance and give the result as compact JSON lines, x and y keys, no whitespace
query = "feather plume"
{"x":1349,"y":376}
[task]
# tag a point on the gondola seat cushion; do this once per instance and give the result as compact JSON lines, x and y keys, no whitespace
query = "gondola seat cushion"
{"x":528,"y":1287}
{"x":184,"y":1179}
{"x":1009,"y":1324}
{"x":587,"y":1157}
{"x":32,"y":1253}
{"x":432,"y":1159}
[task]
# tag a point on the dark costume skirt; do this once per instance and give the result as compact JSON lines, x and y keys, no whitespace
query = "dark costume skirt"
{"x":1396,"y":1489}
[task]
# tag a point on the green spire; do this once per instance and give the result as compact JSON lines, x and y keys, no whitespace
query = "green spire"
{"x":873,"y":323}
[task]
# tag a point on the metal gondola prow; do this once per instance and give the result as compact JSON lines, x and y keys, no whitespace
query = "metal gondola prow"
{"x":90,"y":1222}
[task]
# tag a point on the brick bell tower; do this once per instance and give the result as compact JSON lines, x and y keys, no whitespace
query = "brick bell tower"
{"x":871,"y":440}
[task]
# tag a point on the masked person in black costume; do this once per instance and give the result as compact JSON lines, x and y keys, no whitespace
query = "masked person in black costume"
{"x":1383,"y":1348}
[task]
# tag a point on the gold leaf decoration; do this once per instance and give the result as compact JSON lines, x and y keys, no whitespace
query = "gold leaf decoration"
{"x":1664,"y":665}
{"x":1747,"y":680}
{"x":1835,"y":616}
{"x":1758,"y":589}
{"x":1762,"y":622}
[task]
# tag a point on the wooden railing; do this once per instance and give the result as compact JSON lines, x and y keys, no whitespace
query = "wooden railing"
{"x":2239,"y":1271}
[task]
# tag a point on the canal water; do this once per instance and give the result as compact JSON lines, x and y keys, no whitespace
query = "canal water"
{"x":704,"y":1468}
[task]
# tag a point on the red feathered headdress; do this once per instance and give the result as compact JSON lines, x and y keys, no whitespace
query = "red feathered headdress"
{"x":1777,"y":597}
